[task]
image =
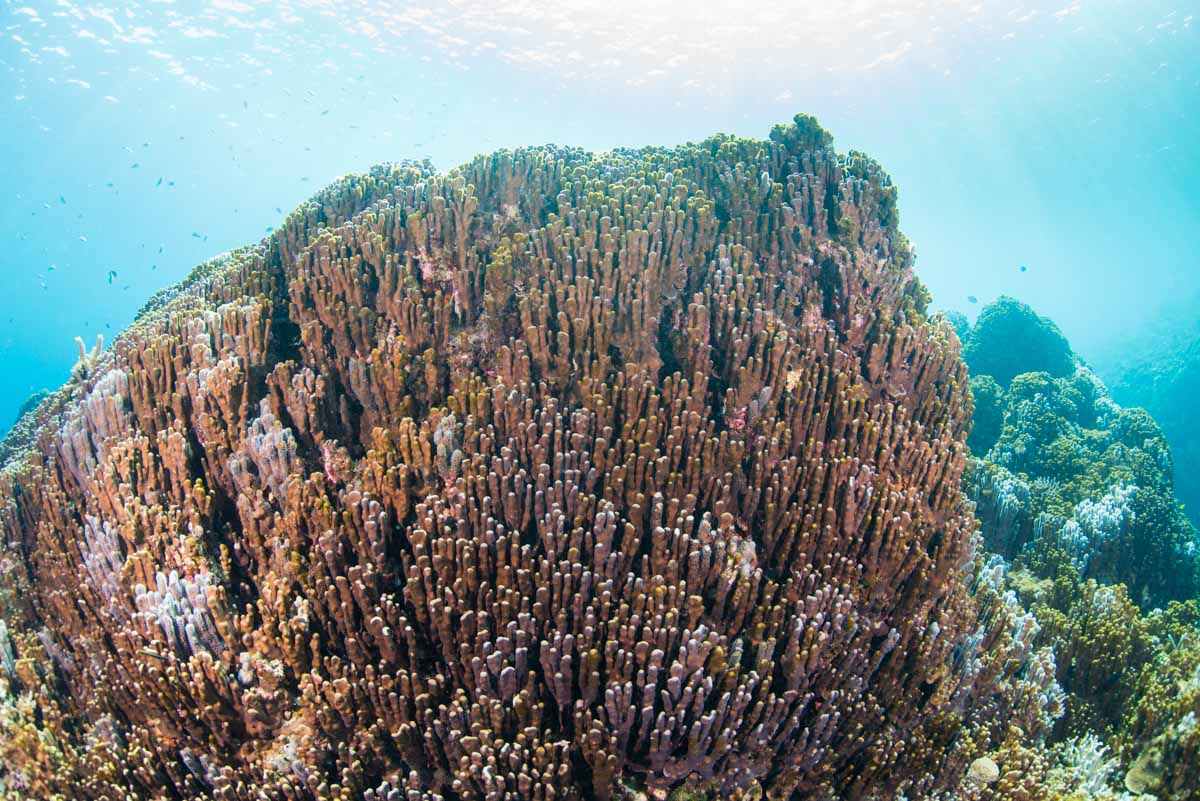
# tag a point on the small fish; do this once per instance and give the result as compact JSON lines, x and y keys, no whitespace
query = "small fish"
{"x":245,"y":104}
{"x":270,"y":228}
{"x":195,"y":234}
{"x":170,"y":183}
{"x":134,"y":165}
{"x":62,"y":200}
{"x":278,"y":210}
{"x":972,"y":299}
{"x":159,"y":182}
{"x":1024,"y":268}
{"x":83,"y":239}
{"x":160,"y":248}
{"x":112,"y":276}
{"x":323,"y":113}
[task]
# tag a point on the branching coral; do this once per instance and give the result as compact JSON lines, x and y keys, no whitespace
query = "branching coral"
{"x":558,"y":476}
{"x":1163,"y":728}
{"x":1103,"y":645}
{"x":87,"y":359}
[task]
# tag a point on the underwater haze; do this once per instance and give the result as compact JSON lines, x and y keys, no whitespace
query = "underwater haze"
{"x":1047,"y":150}
{"x":619,"y":401}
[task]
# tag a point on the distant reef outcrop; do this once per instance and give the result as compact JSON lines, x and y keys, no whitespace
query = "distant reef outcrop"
{"x":1078,"y":496}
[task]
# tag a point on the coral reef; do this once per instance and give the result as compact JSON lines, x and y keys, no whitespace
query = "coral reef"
{"x":1162,"y":731}
{"x":1132,"y":685}
{"x":1103,"y":643}
{"x":23,"y":431}
{"x":1079,"y":494}
{"x":960,"y":323}
{"x":1158,"y":368}
{"x":1009,"y":338}
{"x":557,"y":476}
{"x":32,"y":402}
{"x":1061,"y":471}
{"x":988,"y":420}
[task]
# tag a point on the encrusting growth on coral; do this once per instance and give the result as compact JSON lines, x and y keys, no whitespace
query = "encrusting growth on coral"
{"x":559,"y":476}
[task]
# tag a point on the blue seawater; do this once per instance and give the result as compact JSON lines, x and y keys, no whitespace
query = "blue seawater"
{"x":1047,"y":150}
{"x":1047,"y":154}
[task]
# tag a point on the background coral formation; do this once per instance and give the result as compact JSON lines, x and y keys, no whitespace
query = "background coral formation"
{"x":1078,"y":494}
{"x":1010,"y":338}
{"x":1159,"y":369}
{"x":557,"y":476}
{"x":1064,"y":474}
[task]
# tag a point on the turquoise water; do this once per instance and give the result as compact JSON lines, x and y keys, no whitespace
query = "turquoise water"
{"x":454,"y":526}
{"x":1049,"y":151}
